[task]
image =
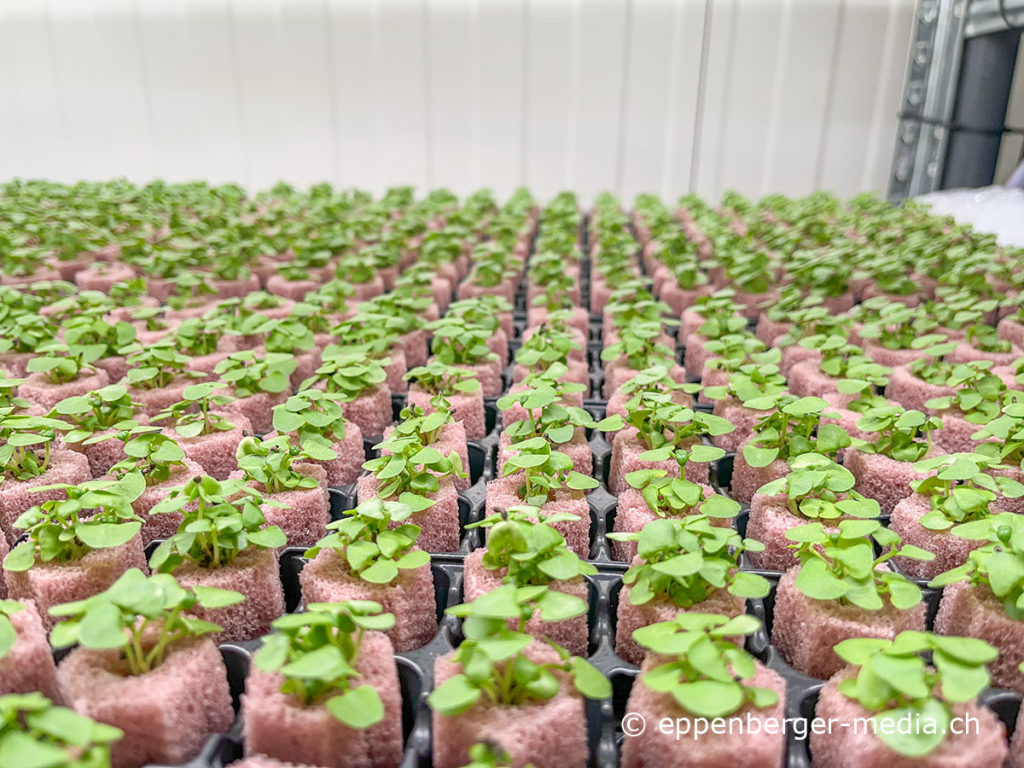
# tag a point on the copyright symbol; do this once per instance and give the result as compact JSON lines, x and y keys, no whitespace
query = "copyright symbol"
{"x":633,"y":724}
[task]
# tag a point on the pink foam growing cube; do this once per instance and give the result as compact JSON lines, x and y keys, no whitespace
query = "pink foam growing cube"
{"x":618,"y":373}
{"x":215,"y":452}
{"x":439,"y":523}
{"x":166,"y":715}
{"x":844,"y":747}
{"x":371,"y":411}
{"x":973,"y":611}
{"x":747,"y":479}
{"x":546,"y":734}
{"x":631,"y":617}
{"x":262,"y":761}
{"x":805,"y":630}
{"x":50,"y":584}
{"x":103,"y":278}
{"x":965,"y":353}
{"x":498,"y":344}
{"x":806,"y":379}
{"x":279,"y":725}
{"x":163,"y":525}
{"x":305,"y":511}
{"x":258,"y":409}
{"x":657,"y":749}
{"x":795,"y":354}
{"x":155,"y":400}
{"x":256,"y":574}
{"x":678,"y":298}
{"x":768,"y":330}
{"x":955,"y":434}
{"x":38,"y":390}
{"x":577,"y":449}
{"x":911,"y":392}
{"x":743,"y":420}
{"x":395,"y":371}
{"x":295,"y":290}
{"x":488,"y":373}
{"x":891,"y":357}
{"x":881,"y":478}
{"x":467,"y":408}
{"x":101,"y":456}
{"x":503,"y":494}
{"x":571,"y":634}
{"x":769,"y":520}
{"x":28,"y":666}
{"x":1012,"y":330}
{"x":17,"y":496}
{"x":626,"y":451}
{"x":410,"y":597}
{"x":632,"y":514}
{"x":950,"y":551}
{"x":577,"y":372}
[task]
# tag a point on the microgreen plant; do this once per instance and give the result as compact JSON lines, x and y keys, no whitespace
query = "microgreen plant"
{"x":545,"y":472}
{"x":196,"y":414}
{"x":960,"y":490}
{"x":94,"y":515}
{"x":705,"y":673}
{"x":220,"y":520}
{"x":895,"y":683}
{"x":816,"y":488}
{"x":270,"y":463}
{"x":374,"y":550}
{"x":901,"y":435}
{"x":143,"y":618}
{"x":35,"y":732}
{"x":793,"y":428}
{"x":317,"y":653}
{"x":686,"y":560}
{"x":841,"y":565}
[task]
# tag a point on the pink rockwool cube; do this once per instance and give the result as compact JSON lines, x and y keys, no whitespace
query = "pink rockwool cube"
{"x":795,"y":354}
{"x":807,"y":380}
{"x":631,"y":617}
{"x":103,"y":278}
{"x":467,"y":408}
{"x":311,"y":733}
{"x":768,"y":330}
{"x":950,"y":551}
{"x":577,"y":449}
{"x":215,"y":452}
{"x":371,"y":411}
{"x":747,"y":479}
{"x":502,"y":493}
{"x":258,"y":409}
{"x":743,"y":420}
{"x":632,"y":514}
{"x":805,"y":630}
{"x":571,"y":634}
{"x":965,"y":353}
{"x":983,"y":745}
{"x":546,"y":734}
{"x":763,"y":747}
{"x":439,"y":523}
{"x":101,"y":456}
{"x":626,"y":451}
{"x":973,"y":611}
{"x":452,"y":438}
{"x":163,"y":525}
{"x":256,"y":574}
{"x":28,"y":666}
{"x":769,"y":520}
{"x":347,"y":468}
{"x":395,"y":371}
{"x":488,"y":373}
{"x":891,"y":357}
{"x":414,"y":344}
{"x":166,"y":714}
{"x":410,"y":597}
{"x":955,"y":434}
{"x":618,"y":373}
{"x":17,"y":496}
{"x":911,"y":392}
{"x":498,"y":344}
{"x":295,"y":290}
{"x":678,"y":298}
{"x":881,"y":478}
{"x":50,"y":584}
{"x":1012,"y":330}
{"x":302,"y":513}
{"x":1003,"y":503}
{"x":1016,"y":758}
{"x":155,"y":400}
{"x":38,"y":390}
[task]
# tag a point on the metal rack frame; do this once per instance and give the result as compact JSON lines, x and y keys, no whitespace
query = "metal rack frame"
{"x":955,"y":96}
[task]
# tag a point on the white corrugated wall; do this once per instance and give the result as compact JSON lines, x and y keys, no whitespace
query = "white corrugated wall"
{"x":664,"y":96}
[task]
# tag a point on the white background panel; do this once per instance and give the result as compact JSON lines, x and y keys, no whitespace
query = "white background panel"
{"x":628,"y":95}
